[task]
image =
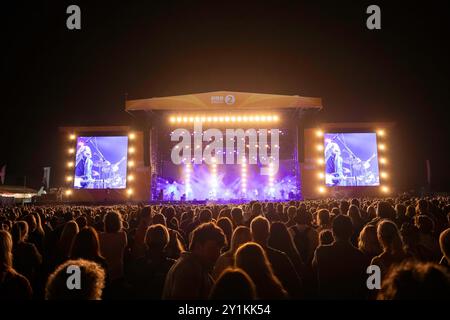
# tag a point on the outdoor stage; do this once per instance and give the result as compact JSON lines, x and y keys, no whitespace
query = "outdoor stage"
{"x":224,"y":147}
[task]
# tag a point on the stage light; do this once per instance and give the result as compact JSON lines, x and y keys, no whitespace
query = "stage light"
{"x":320,"y":175}
{"x":381,"y":146}
{"x":321,"y":190}
{"x":129,"y":191}
{"x":320,"y":147}
{"x":384,"y":175}
{"x":71,"y":150}
{"x":70,"y":164}
{"x":132,"y":135}
{"x":319,"y":133}
{"x":385,"y":189}
{"x":383,"y":160}
{"x":130,"y":177}
{"x":380,"y":132}
{"x":131,"y":150}
{"x":187,"y":179}
{"x":131,"y":163}
{"x":224,"y":118}
{"x":320,"y":161}
{"x":72,"y":136}
{"x":69,"y":178}
{"x":68,"y":192}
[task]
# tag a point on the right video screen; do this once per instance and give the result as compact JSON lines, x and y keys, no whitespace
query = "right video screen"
{"x":351,"y":159}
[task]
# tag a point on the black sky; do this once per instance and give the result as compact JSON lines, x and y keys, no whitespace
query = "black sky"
{"x":54,"y":77}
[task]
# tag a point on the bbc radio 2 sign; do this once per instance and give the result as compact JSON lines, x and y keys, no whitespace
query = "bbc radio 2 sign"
{"x":228,"y":99}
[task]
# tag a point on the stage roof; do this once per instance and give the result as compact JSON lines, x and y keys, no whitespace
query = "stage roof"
{"x":218,"y":100}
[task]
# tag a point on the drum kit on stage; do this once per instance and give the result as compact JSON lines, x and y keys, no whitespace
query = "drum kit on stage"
{"x":359,"y":172}
{"x":107,"y":176}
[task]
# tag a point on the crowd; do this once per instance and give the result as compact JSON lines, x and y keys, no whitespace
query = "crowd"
{"x":317,"y":249}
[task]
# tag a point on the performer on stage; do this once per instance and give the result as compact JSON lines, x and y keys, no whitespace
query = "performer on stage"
{"x":333,"y":164}
{"x":83,"y":167}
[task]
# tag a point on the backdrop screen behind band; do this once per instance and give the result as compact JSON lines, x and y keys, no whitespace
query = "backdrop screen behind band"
{"x":351,"y":159}
{"x":229,"y":185}
{"x":101,"y":162}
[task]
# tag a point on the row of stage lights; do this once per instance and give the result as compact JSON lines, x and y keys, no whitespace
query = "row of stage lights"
{"x":214,"y":182}
{"x":271,"y":179}
{"x":381,"y":159}
{"x":223,"y":118}
{"x":71,"y":164}
{"x":244,"y":175}
{"x":187,"y":179}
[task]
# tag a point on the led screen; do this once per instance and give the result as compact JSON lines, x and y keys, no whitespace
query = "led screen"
{"x":101,"y":162}
{"x":351,"y":159}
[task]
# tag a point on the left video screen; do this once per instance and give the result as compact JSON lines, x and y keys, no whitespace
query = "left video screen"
{"x":101,"y":162}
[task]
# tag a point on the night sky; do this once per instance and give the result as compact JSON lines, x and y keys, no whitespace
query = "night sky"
{"x":54,"y":77}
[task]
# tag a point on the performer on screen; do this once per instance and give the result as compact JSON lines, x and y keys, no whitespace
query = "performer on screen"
{"x":333,"y":164}
{"x":83,"y":167}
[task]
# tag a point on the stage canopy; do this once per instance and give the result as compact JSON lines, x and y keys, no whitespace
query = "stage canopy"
{"x":218,"y":100}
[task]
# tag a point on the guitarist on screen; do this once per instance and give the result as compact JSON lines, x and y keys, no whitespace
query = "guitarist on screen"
{"x":83,"y":167}
{"x":333,"y":164}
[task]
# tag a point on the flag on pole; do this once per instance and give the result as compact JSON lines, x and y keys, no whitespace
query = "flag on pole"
{"x":3,"y":173}
{"x":46,"y":178}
